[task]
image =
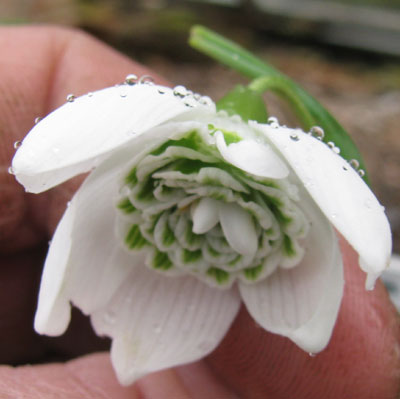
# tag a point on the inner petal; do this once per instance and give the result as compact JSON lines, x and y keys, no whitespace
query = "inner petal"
{"x":204,"y":215}
{"x":238,"y":228}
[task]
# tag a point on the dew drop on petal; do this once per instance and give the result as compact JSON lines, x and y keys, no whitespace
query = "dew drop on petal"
{"x":205,"y":100}
{"x":317,"y":132}
{"x":331,"y":144}
{"x":17,"y":144}
{"x":10,"y":170}
{"x":90,"y":94}
{"x":38,"y":119}
{"x":146,"y":79}
{"x":311,"y":354}
{"x":131,"y":79}
{"x":272,"y":120}
{"x":354,"y":163}
{"x":294,"y":137}
{"x":123,"y":93}
{"x":361,"y":172}
{"x":180,"y":91}
{"x":70,"y":98}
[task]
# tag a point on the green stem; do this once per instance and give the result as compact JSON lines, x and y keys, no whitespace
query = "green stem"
{"x":281,"y":86}
{"x":239,"y":59}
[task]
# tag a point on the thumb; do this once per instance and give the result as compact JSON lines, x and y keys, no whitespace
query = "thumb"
{"x":361,"y":361}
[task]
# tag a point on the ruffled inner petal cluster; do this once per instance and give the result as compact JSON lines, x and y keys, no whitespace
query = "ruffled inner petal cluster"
{"x":196,"y":213}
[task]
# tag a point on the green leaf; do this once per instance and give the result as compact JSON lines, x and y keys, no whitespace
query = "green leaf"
{"x":245,"y":102}
{"x":308,"y":109}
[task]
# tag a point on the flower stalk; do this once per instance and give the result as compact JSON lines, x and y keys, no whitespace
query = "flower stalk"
{"x":309,"y":111}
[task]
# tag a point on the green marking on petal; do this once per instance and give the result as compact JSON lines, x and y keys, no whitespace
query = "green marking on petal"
{"x":161,"y":261}
{"x":146,"y":191}
{"x":192,"y":140}
{"x":191,"y":256}
{"x":231,"y":137}
{"x":131,"y":178}
{"x":253,"y":273}
{"x":213,"y":252}
{"x":235,"y":261}
{"x":220,"y":276}
{"x":190,"y":237}
{"x":288,"y":246}
{"x":187,"y":166}
{"x":168,"y":236}
{"x":134,"y":238}
{"x":125,"y":205}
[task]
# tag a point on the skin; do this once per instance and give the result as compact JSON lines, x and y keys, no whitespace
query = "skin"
{"x":39,"y":67}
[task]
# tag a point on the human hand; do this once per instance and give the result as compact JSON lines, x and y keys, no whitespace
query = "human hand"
{"x":40,"y":67}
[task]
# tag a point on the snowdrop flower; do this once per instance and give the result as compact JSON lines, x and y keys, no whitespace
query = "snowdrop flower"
{"x":187,"y":213}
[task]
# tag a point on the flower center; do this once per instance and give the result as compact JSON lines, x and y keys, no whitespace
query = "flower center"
{"x":195,"y":213}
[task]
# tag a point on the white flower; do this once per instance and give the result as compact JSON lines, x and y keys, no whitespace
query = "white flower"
{"x":186,"y":213}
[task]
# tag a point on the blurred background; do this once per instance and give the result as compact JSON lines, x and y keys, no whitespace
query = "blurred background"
{"x":344,"y":52}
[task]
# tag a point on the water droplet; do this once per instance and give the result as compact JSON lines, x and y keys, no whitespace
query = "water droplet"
{"x":68,"y":203}
{"x":131,"y":79}
{"x":38,"y":119}
{"x":180,"y":91}
{"x":205,"y":100}
{"x":354,"y":163}
{"x":10,"y":170}
{"x":294,"y":137}
{"x":317,"y":132}
{"x":146,"y":79}
{"x":90,"y":94}
{"x":331,"y":144}
{"x":17,"y":144}
{"x":70,"y":98}
{"x":336,"y":150}
{"x":49,"y":243}
{"x":361,"y":172}
{"x":311,"y":354}
{"x":189,"y":101}
{"x":345,"y":168}
{"x":162,"y":90}
{"x":123,"y":92}
{"x":272,"y":119}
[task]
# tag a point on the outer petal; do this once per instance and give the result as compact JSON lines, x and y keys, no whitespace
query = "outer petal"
{"x":341,"y":194}
{"x":53,"y":312}
{"x":158,"y":322}
{"x":80,"y":134}
{"x":82,"y":265}
{"x":302,"y":303}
